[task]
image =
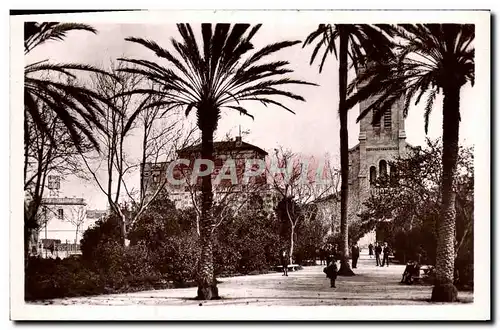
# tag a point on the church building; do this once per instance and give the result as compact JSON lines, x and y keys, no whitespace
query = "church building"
{"x":379,"y":143}
{"x":369,"y":159}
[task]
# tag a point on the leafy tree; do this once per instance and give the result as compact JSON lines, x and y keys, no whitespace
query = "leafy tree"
{"x":310,"y":234}
{"x":361,"y":43}
{"x":161,"y":135}
{"x":299,"y":188}
{"x":220,"y":75}
{"x":249,"y":242}
{"x":432,"y":59}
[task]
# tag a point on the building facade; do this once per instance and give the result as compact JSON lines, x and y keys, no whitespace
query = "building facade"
{"x":63,"y":219}
{"x":241,"y":154}
{"x":62,"y":222}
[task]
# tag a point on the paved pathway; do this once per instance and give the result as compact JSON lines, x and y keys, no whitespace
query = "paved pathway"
{"x":307,"y":287}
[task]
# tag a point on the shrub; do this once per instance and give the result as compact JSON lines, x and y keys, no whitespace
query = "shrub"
{"x":177,"y":257}
{"x":118,"y":270}
{"x":247,"y":243}
{"x":53,"y":278}
{"x":102,"y":232}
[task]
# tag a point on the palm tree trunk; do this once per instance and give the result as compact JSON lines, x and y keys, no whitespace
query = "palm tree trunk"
{"x":444,"y":290}
{"x":207,"y":285}
{"x":345,"y":269}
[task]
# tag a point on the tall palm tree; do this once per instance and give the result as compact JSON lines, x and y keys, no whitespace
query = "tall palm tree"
{"x":220,"y":75}
{"x":77,"y":107}
{"x":433,"y":58}
{"x":358,"y":43}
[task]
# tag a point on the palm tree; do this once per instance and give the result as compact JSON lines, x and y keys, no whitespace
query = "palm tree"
{"x":77,"y":107}
{"x":220,"y":75}
{"x":358,"y":43}
{"x":433,"y":58}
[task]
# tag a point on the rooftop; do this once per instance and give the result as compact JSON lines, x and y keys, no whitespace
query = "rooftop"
{"x":222,"y":146}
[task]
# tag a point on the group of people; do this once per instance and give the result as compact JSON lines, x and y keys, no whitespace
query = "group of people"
{"x":378,"y":250}
{"x":329,"y":256}
{"x":327,"y":253}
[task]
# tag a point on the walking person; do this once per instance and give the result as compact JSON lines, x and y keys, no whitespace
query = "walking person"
{"x":378,"y":251}
{"x":51,"y":249}
{"x":331,"y":272}
{"x":370,"y":250}
{"x":386,"y":252}
{"x":284,"y":262}
{"x":322,"y":256}
{"x":355,"y":255}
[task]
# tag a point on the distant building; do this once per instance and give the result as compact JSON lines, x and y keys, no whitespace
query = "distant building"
{"x":59,"y":218}
{"x":97,"y":214}
{"x":154,"y":174}
{"x":62,"y":222}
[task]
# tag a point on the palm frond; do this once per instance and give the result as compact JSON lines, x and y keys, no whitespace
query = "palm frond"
{"x":241,"y":110}
{"x":428,"y":108}
{"x":36,"y":34}
{"x":77,"y":107}
{"x":430,"y":58}
{"x":218,"y":73}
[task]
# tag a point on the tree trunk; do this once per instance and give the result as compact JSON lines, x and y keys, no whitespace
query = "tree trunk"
{"x":123,"y":230}
{"x":207,"y":285}
{"x":345,"y":269}
{"x":444,"y":290}
{"x":291,"y":244}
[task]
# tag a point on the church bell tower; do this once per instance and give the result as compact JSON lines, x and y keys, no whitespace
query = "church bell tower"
{"x":379,"y":143}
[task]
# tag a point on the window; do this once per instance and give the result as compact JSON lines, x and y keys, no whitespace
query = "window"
{"x":60,"y":214}
{"x":373,"y":175}
{"x":377,"y":123}
{"x":387,"y":118}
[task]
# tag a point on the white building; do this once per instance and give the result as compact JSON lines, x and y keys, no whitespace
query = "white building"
{"x":62,"y":224}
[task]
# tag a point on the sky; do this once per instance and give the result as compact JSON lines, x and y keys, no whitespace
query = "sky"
{"x":312,"y":130}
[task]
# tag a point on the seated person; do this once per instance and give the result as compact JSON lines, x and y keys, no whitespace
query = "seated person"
{"x":412,"y":270}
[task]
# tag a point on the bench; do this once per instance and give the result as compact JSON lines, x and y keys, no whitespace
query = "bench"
{"x":309,"y":262}
{"x":426,"y":269}
{"x":423,"y":273}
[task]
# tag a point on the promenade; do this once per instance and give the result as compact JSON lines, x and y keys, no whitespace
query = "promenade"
{"x":307,"y":287}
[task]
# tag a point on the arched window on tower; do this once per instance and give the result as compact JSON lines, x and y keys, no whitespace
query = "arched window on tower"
{"x":373,"y":175}
{"x":383,"y":169}
{"x":377,"y":123}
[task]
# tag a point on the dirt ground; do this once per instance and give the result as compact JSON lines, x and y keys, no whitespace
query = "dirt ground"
{"x":307,"y":287}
